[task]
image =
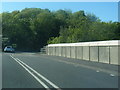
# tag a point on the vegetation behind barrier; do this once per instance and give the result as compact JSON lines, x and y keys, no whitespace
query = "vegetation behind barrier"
{"x":32,"y":28}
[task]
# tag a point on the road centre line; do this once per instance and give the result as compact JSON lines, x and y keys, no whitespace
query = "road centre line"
{"x":43,"y":84}
{"x":48,"y":81}
{"x":41,"y":76}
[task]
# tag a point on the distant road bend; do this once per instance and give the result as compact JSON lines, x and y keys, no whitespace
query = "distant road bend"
{"x":32,"y":70}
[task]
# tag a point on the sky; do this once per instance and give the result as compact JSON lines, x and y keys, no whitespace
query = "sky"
{"x":106,"y":11}
{"x":60,"y":0}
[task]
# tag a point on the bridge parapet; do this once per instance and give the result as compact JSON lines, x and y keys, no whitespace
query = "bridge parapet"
{"x":100,"y":51}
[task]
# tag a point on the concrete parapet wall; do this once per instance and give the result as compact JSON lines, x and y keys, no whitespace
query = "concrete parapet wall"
{"x":102,"y":51}
{"x":94,"y":53}
{"x":73,"y":52}
{"x":68,"y":52}
{"x":104,"y":54}
{"x":60,"y":51}
{"x":86,"y":53}
{"x":63,"y":51}
{"x":79,"y":52}
{"x":114,"y":56}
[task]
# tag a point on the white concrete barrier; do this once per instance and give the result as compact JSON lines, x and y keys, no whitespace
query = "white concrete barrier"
{"x":94,"y":53}
{"x":114,"y":55}
{"x":104,"y":54}
{"x":68,"y":52}
{"x":100,"y":51}
{"x":60,"y":51}
{"x":73,"y":52}
{"x":63,"y":51}
{"x":79,"y":52}
{"x":86,"y":53}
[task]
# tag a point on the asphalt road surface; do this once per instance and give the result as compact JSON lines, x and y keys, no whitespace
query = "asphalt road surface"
{"x":32,"y":70}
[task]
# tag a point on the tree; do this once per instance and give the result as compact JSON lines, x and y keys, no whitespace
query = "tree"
{"x":32,"y":28}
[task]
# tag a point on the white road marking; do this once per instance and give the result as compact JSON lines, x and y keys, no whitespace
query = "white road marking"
{"x":41,"y":76}
{"x":97,"y":71}
{"x":112,"y":75}
{"x":48,"y":81}
{"x":43,"y":84}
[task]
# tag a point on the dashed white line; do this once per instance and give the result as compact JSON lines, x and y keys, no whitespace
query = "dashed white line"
{"x":26,"y":67}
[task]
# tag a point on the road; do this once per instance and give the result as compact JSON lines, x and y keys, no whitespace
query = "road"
{"x":32,"y":70}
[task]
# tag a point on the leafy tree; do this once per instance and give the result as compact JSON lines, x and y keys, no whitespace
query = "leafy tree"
{"x":32,"y":28}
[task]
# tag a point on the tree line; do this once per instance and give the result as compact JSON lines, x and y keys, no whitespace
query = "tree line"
{"x":32,"y":28}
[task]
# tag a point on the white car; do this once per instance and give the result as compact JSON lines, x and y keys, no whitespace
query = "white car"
{"x":9,"y":49}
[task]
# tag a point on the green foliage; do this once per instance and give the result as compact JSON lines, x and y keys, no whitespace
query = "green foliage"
{"x":87,"y":27}
{"x":32,"y":28}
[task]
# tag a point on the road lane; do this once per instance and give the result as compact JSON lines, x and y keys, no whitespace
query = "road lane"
{"x":69,"y":76}
{"x":33,"y":72}
{"x":14,"y":76}
{"x":62,"y":74}
{"x":30,"y":72}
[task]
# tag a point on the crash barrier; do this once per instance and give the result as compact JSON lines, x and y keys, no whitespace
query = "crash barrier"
{"x":100,"y":51}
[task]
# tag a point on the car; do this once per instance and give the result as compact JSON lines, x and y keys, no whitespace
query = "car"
{"x":9,"y":49}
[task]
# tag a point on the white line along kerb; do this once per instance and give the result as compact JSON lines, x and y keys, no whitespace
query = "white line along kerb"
{"x":41,"y":76}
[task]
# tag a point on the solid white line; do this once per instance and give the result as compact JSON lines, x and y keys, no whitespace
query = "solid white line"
{"x":43,"y":84}
{"x":48,"y":81}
